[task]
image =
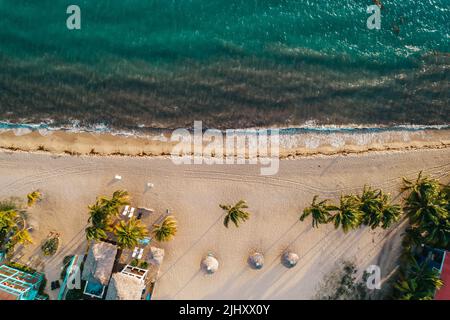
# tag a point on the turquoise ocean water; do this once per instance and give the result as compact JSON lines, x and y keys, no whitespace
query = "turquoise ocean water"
{"x":231,"y":63}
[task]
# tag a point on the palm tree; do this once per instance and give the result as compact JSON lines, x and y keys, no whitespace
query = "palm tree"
{"x":236,"y":213}
{"x":119,"y":198}
{"x":12,"y":229}
{"x":22,"y":237}
{"x":425,"y":203}
{"x":370,"y":205}
{"x":377,"y":208}
{"x":419,"y":282}
{"x":7,"y":219}
{"x":129,"y":233}
{"x":95,"y":233}
{"x":320,"y":212}
{"x":33,"y":197}
{"x":166,"y":230}
{"x":349,"y":215}
{"x":98,"y":214}
{"x":427,"y":206}
{"x":390,"y":213}
{"x":437,"y":235}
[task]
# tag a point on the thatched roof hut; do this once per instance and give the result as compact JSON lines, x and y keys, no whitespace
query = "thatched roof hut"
{"x":210,"y":264}
{"x":289,"y":259}
{"x":256,"y":260}
{"x":125,"y":287}
{"x":99,"y":262}
{"x":156,"y":256}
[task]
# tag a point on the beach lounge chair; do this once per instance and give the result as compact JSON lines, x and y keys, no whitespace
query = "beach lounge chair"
{"x":131,"y":212}
{"x":125,"y":210}
{"x":135,"y":251}
{"x":141,"y":252}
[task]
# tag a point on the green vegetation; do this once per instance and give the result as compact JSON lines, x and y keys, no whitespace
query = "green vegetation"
{"x":319,"y":211}
{"x":139,"y":263}
{"x":129,"y":233}
{"x":50,"y":246}
{"x":236,"y":213}
{"x":378,"y":211}
{"x":21,"y":267}
{"x":166,"y":230}
{"x":372,"y":208}
{"x":417,"y":282}
{"x":13,"y":228}
{"x":349,"y":214}
{"x":33,"y":197}
{"x":134,"y":262}
{"x":102,"y":213}
{"x":427,"y":205}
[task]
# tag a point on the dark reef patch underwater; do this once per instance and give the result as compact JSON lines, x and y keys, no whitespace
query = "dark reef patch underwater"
{"x":230,"y":63}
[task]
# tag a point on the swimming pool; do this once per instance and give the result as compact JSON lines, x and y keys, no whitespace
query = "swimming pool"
{"x":94,"y":289}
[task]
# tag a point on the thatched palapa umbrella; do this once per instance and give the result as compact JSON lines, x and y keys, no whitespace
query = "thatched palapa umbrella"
{"x":256,"y":260}
{"x":210,"y":264}
{"x":156,"y":256}
{"x":289,"y":259}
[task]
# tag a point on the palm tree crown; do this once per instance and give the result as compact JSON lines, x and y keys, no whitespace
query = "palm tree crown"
{"x":349,"y":215}
{"x":166,"y":230}
{"x":33,"y":197}
{"x":129,"y":233}
{"x":377,"y":208}
{"x":236,"y":213}
{"x":319,"y":211}
{"x":419,"y":282}
{"x":427,"y":205}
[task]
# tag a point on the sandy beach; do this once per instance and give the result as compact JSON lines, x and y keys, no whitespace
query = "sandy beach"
{"x":193,"y":193}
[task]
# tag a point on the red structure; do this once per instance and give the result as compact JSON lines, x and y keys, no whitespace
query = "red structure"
{"x":444,"y":292}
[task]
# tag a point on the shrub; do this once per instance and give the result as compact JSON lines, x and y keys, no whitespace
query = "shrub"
{"x":134,"y":262}
{"x":50,"y":246}
{"x":21,"y":267}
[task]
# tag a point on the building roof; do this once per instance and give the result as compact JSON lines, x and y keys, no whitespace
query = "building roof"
{"x":17,"y":284}
{"x":444,"y":292}
{"x":99,"y":262}
{"x":125,"y":287}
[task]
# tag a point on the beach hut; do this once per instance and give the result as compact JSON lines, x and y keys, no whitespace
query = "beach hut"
{"x":289,"y":259}
{"x":210,"y":264}
{"x":98,"y":268}
{"x":256,"y":260}
{"x":156,"y":256}
{"x":125,"y":287}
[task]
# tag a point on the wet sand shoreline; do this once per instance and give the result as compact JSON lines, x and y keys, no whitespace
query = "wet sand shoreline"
{"x":291,"y":145}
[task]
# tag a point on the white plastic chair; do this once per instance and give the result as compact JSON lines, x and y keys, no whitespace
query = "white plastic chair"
{"x":125,"y":210}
